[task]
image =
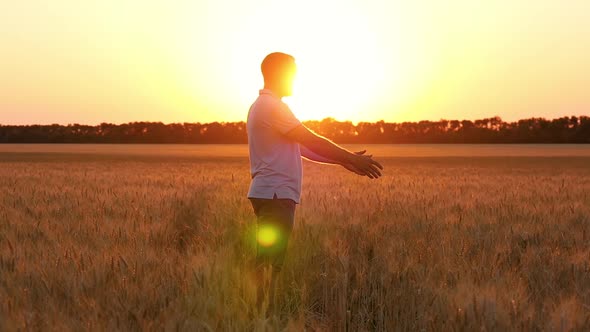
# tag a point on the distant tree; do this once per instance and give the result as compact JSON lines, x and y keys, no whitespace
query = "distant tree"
{"x":489,"y":130}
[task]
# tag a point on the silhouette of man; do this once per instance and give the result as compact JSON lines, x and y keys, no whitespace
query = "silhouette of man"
{"x":277,"y":140}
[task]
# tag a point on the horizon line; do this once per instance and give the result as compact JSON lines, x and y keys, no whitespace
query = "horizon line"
{"x":303,"y":121}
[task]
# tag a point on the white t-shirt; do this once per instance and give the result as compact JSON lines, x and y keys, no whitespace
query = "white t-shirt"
{"x":275,"y":161}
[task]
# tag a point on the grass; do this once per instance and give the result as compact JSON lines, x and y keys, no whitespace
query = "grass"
{"x":99,"y":242}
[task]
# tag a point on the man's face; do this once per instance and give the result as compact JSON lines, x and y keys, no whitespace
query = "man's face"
{"x":288,"y":80}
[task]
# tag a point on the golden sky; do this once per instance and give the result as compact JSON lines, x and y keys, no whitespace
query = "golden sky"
{"x":72,"y":61}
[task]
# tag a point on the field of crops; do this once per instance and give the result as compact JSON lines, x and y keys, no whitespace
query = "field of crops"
{"x":135,"y":241}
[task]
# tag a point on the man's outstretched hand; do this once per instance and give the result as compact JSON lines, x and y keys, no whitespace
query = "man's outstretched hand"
{"x":353,"y":169}
{"x":364,"y":165}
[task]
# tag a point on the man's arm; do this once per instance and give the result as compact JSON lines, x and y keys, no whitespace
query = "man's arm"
{"x":312,"y":156}
{"x":331,"y":151}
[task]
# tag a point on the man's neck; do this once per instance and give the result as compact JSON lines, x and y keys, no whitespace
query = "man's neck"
{"x":274,"y":90}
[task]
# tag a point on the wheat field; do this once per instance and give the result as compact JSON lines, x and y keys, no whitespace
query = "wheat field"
{"x":98,"y":241}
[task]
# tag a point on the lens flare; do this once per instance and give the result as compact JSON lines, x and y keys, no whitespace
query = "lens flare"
{"x":267,"y":236}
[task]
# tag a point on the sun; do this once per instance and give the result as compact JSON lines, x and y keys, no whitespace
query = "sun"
{"x":339,"y":74}
{"x":341,"y":85}
{"x":339,"y":65}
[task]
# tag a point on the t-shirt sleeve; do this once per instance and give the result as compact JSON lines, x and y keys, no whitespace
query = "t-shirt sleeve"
{"x":283,"y":119}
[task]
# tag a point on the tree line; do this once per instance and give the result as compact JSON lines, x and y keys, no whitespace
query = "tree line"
{"x":491,"y":130}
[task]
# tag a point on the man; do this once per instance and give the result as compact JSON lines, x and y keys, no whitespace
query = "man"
{"x":277,"y":140}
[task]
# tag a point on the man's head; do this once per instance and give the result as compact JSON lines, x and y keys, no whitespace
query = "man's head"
{"x":278,"y":70}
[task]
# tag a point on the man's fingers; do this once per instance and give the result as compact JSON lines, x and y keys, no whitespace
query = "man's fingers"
{"x":373,"y":168}
{"x":367,"y":173}
{"x":360,"y":153}
{"x":370,"y":173}
{"x":376,"y":163}
{"x":375,"y":171}
{"x":368,"y":166}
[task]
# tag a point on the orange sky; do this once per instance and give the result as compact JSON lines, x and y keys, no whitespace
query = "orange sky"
{"x":73,"y":61}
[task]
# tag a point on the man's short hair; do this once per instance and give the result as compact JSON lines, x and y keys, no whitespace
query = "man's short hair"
{"x":276,"y":65}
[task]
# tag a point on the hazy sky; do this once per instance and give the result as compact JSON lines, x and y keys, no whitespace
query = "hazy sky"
{"x":72,"y":61}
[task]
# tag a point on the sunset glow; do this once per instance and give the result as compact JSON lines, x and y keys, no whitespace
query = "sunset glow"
{"x":360,"y":60}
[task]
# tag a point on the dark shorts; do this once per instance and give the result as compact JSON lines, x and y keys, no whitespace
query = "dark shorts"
{"x":275,"y":219}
